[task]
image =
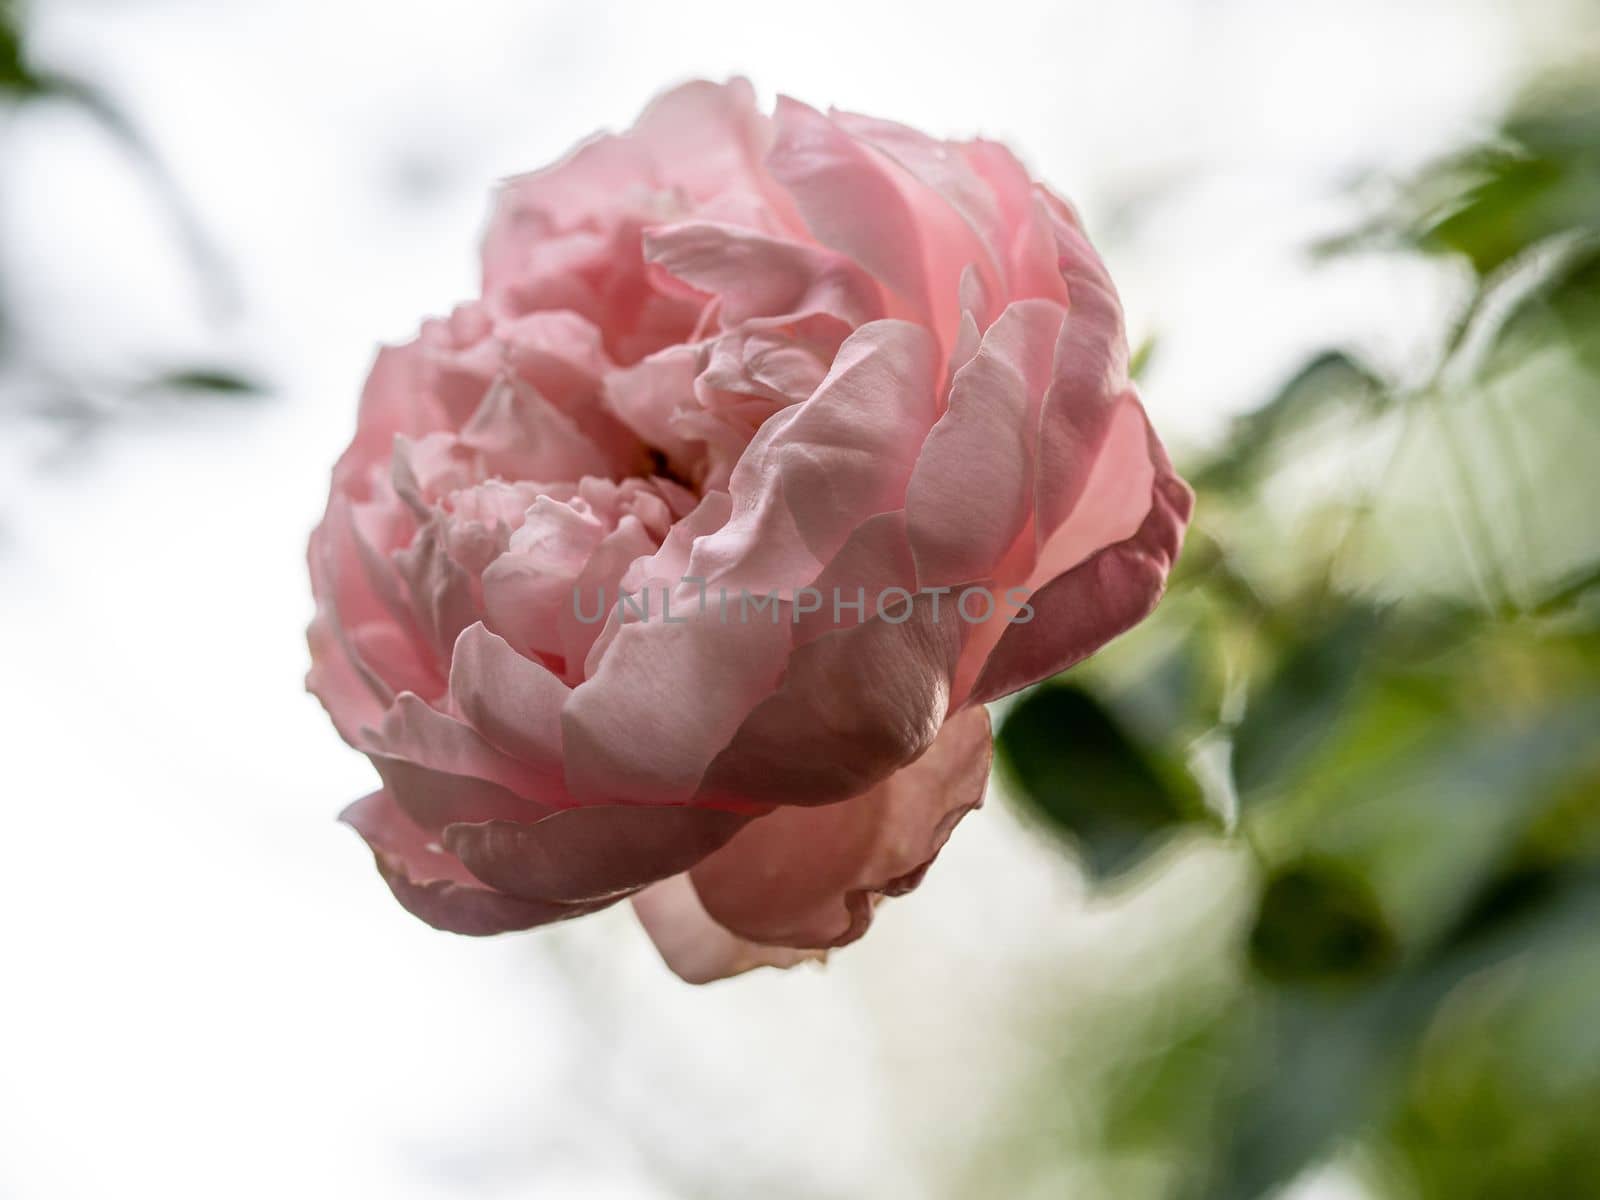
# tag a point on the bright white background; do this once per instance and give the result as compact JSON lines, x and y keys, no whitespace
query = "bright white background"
{"x":204,"y":988}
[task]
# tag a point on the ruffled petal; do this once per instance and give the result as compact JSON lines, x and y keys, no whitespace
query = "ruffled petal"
{"x":441,"y":770}
{"x":513,"y":702}
{"x":853,"y":707}
{"x":394,"y":402}
{"x":818,"y":470}
{"x":669,"y":694}
{"x":855,"y":704}
{"x":665,"y":697}
{"x":956,"y":211}
{"x":709,"y":140}
{"x":851,"y":203}
{"x":590,"y":853}
{"x":695,"y":947}
{"x":1103,"y":596}
{"x":433,"y":885}
{"x":986,"y":439}
{"x":1091,"y":376}
{"x":809,"y":877}
{"x":757,"y":275}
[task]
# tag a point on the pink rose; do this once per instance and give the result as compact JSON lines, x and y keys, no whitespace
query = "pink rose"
{"x":720,"y":357}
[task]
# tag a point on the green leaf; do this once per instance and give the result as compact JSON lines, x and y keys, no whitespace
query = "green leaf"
{"x":1076,"y":768}
{"x":1143,"y":353}
{"x":1564,"y":304}
{"x":1501,"y":1101}
{"x":1400,"y":837}
{"x":1330,"y":381}
{"x":1318,"y":920}
{"x":1518,"y":201}
{"x":16,"y":78}
{"x":214,"y":381}
{"x":1303,"y":698}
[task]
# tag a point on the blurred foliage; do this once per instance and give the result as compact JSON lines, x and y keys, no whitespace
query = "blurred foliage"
{"x":1379,"y":664}
{"x":1078,"y":768}
{"x":83,"y":403}
{"x":1540,"y":178}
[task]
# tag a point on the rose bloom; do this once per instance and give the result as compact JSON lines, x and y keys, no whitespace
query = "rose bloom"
{"x":728,"y":352}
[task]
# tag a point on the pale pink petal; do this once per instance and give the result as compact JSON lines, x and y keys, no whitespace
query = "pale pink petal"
{"x":441,"y":770}
{"x":1086,"y":607}
{"x":647,"y":396}
{"x":590,"y":853}
{"x":819,"y":469}
{"x":601,"y":179}
{"x":809,"y":877}
{"x":668,"y":566}
{"x":664,"y":699}
{"x":761,"y":276}
{"x":854,"y":706}
{"x":443,"y":594}
{"x":695,"y":947}
{"x":346,"y":691}
{"x":393,"y":402}
{"x":959,"y":220}
{"x":433,"y":885}
{"x":986,"y":440}
{"x":1118,"y":475}
{"x":1033,"y":267}
{"x":852,"y":204}
{"x":521,"y":435}
{"x":709,"y":141}
{"x":512,"y":701}
{"x":1091,"y":376}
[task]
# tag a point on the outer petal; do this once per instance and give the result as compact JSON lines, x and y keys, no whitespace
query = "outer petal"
{"x":971,"y":494}
{"x":1091,"y":376}
{"x":433,"y":885}
{"x":957,"y":211}
{"x":664,"y":698}
{"x":855,"y":704}
{"x":590,"y":853}
{"x":1033,"y":267}
{"x":395,"y":401}
{"x":512,"y":701}
{"x":809,"y":877}
{"x":1103,"y":596}
{"x":696,"y":948}
{"x":442,"y":771}
{"x":851,"y":203}
{"x":709,"y":140}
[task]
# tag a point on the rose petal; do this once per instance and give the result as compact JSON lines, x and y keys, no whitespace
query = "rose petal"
{"x":1086,"y":607}
{"x":512,"y":701}
{"x":854,"y":706}
{"x":695,"y":947}
{"x":960,"y":220}
{"x":393,"y":403}
{"x":590,"y":853}
{"x":442,"y":771}
{"x":851,"y":203}
{"x":434,"y":886}
{"x":761,"y":276}
{"x":809,"y":877}
{"x":1091,"y":376}
{"x":818,"y":470}
{"x":664,"y":698}
{"x":986,"y":439}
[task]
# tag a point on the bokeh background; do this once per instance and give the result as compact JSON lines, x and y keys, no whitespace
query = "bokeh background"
{"x":1294,"y":891}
